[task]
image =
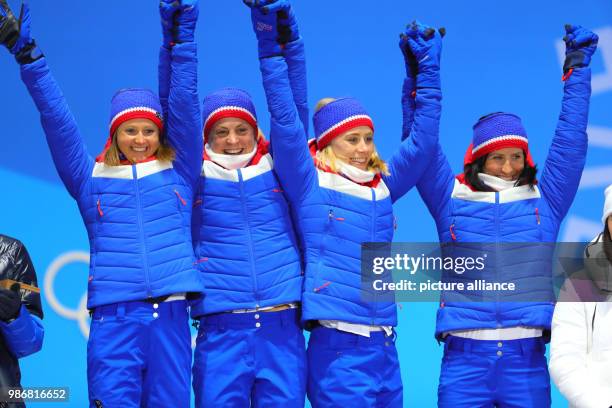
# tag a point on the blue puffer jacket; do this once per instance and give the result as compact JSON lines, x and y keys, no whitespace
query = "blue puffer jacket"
{"x":138,"y":217}
{"x":516,"y":215}
{"x":242,"y":229}
{"x":335,"y":215}
{"x":244,"y":238}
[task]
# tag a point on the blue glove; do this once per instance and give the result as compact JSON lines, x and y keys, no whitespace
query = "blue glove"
{"x":187,"y":19}
{"x":426,"y":46}
{"x":178,"y":18}
{"x":10,"y":302}
{"x":15,"y":34}
{"x":410,"y":61}
{"x":167,"y":11}
{"x":580,"y":44}
{"x":274,"y":24}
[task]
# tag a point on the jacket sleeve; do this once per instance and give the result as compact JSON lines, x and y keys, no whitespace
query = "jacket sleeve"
{"x":567,"y":154}
{"x":293,"y":163}
{"x":568,"y":358}
{"x":437,"y":183}
{"x":164,"y":75}
{"x":184,"y":126}
{"x":24,"y":335}
{"x":67,"y":147}
{"x":409,"y":163}
{"x":408,"y":106}
{"x":296,"y":67}
{"x":23,"y":271}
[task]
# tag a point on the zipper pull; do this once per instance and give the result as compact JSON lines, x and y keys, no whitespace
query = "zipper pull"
{"x":537,"y":214}
{"x":323,"y":286}
{"x":99,"y":208}
{"x":180,"y":198}
{"x":452,"y":231}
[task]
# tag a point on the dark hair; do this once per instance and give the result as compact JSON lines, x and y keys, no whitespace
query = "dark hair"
{"x":527,"y":176}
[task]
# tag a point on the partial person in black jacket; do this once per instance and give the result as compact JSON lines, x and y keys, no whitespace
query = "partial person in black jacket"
{"x":21,"y":330}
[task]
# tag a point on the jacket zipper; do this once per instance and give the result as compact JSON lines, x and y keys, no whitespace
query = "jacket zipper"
{"x":145,"y":263}
{"x":372,"y":239}
{"x":497,"y":244}
{"x":245,"y":216}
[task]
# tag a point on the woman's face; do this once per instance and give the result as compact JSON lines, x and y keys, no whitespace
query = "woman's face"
{"x":507,"y":164}
{"x":355,"y":146}
{"x":610,"y":225}
{"x":138,"y":139}
{"x":232,"y":136}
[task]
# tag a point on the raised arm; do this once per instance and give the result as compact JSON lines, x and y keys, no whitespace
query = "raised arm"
{"x":409,"y":86}
{"x":292,"y":46}
{"x":292,"y":159}
{"x":567,"y":154}
{"x":68,"y":150}
{"x":568,"y":356}
{"x":423,"y":45}
{"x":167,"y":11}
{"x":184,"y":121}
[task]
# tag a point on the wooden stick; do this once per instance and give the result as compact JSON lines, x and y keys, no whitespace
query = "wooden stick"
{"x":7,"y":283}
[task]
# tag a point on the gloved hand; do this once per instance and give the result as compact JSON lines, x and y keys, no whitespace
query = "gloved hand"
{"x":425,"y":43}
{"x":167,"y":11}
{"x":410,"y":61}
{"x":580,"y":44}
{"x":187,"y":18}
{"x":10,"y":302}
{"x":15,"y":34}
{"x":274,"y":24}
{"x":178,"y":18}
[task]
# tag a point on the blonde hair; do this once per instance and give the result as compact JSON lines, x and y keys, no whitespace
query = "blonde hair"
{"x":327,"y":157}
{"x":112,"y":157}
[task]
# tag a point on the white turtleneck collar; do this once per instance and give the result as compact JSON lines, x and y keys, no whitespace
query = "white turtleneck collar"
{"x":230,"y":161}
{"x":355,"y":174}
{"x":496,"y":183}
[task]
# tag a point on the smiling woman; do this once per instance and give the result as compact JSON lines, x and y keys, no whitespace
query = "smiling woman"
{"x":497,"y":200}
{"x":135,"y":141}
{"x":499,"y":156}
{"x":138,"y":139}
{"x":141,"y":267}
{"x":232,"y":136}
{"x":352,"y":150}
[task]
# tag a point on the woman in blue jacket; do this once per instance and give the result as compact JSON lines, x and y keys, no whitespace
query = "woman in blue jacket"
{"x":342,"y":194}
{"x":494,"y":351}
{"x":250,"y":349}
{"x":135,"y":199}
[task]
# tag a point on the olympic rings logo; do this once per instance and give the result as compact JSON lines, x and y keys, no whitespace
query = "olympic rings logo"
{"x":80,"y":314}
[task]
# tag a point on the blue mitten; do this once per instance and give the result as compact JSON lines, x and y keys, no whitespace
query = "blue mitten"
{"x":187,"y":19}
{"x":15,"y":34}
{"x":167,"y":11}
{"x":580,"y":44}
{"x":426,"y":46}
{"x":274,"y":24}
